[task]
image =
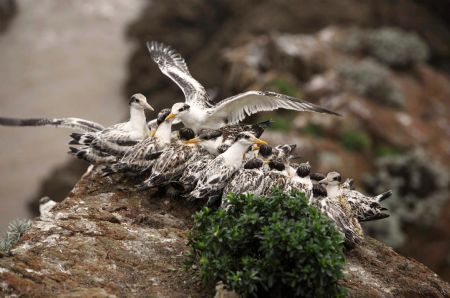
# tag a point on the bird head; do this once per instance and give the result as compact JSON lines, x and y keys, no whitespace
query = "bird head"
{"x":332,"y":178}
{"x":303,"y":170}
{"x":178,"y":109}
{"x":139,"y":101}
{"x":248,"y":139}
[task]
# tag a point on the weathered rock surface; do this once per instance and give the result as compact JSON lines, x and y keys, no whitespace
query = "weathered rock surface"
{"x":105,"y":242}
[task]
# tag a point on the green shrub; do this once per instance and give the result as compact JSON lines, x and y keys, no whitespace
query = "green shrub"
{"x":275,"y":246}
{"x":396,"y":47}
{"x":355,"y":140}
{"x":370,"y":78}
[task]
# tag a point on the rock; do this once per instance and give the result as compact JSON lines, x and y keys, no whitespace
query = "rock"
{"x":104,"y":242}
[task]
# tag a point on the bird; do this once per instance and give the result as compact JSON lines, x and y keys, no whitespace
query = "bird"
{"x":77,"y":124}
{"x":173,"y":160}
{"x":276,"y":177}
{"x":45,"y":205}
{"x":198,"y":111}
{"x":332,"y":208}
{"x":228,"y":133}
{"x":118,"y":135}
{"x":210,"y":140}
{"x":141,"y":156}
{"x":316,"y":177}
{"x":247,"y":180}
{"x":218,"y":171}
{"x":364,"y":208}
{"x":301,"y":181}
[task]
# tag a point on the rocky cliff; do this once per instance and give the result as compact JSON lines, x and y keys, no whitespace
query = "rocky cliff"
{"x":102,"y":241}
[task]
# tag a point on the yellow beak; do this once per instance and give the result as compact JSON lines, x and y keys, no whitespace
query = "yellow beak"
{"x":192,"y":141}
{"x":170,"y":116}
{"x":260,"y":142}
{"x":256,"y":148}
{"x":266,"y":161}
{"x":152,"y":133}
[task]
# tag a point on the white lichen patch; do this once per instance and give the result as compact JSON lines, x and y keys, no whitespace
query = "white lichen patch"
{"x":51,"y":240}
{"x":23,"y":247}
{"x":3,"y":270}
{"x":33,"y":271}
{"x":155,"y":281}
{"x":366,"y":277}
{"x":140,"y":249}
{"x":3,"y":286}
{"x":45,"y":225}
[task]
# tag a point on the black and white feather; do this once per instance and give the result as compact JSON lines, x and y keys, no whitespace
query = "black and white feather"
{"x":248,"y":180}
{"x":300,"y":181}
{"x":173,"y":65}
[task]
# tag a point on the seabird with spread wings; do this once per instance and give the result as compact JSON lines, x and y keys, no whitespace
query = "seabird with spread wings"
{"x":198,"y":111}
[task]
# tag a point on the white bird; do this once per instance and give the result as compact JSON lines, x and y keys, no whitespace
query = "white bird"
{"x":210,"y":140}
{"x":337,"y":213}
{"x":276,"y":177}
{"x":118,"y":135}
{"x":141,"y":156}
{"x":364,"y":208}
{"x":248,"y":180}
{"x":45,"y":205}
{"x":174,"y":160}
{"x":214,"y":179}
{"x":301,"y":181}
{"x":199,"y":112}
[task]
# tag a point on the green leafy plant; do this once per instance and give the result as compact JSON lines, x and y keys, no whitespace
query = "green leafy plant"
{"x":276,"y":246}
{"x":355,"y":140}
{"x":15,"y":230}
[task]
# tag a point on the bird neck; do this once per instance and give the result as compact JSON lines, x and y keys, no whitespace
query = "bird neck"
{"x":212,"y":145}
{"x":137,"y":117}
{"x":291,"y":171}
{"x":197,"y":118}
{"x":333,"y":190}
{"x":235,"y":154}
{"x":163,"y":133}
{"x":303,"y":180}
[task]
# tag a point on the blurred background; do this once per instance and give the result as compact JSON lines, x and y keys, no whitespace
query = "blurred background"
{"x":384,"y":65}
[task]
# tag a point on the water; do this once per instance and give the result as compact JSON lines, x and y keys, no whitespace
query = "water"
{"x":58,"y":58}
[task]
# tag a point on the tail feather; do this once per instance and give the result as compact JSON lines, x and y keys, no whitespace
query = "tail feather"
{"x":383,"y":196}
{"x":374,"y":217}
{"x":88,"y":155}
{"x":81,"y":139}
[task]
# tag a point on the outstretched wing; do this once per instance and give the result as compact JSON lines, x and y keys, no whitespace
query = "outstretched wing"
{"x":173,"y":65}
{"x":234,"y":109}
{"x":72,"y":123}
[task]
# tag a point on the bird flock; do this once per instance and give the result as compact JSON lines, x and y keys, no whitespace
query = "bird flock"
{"x":212,"y":154}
